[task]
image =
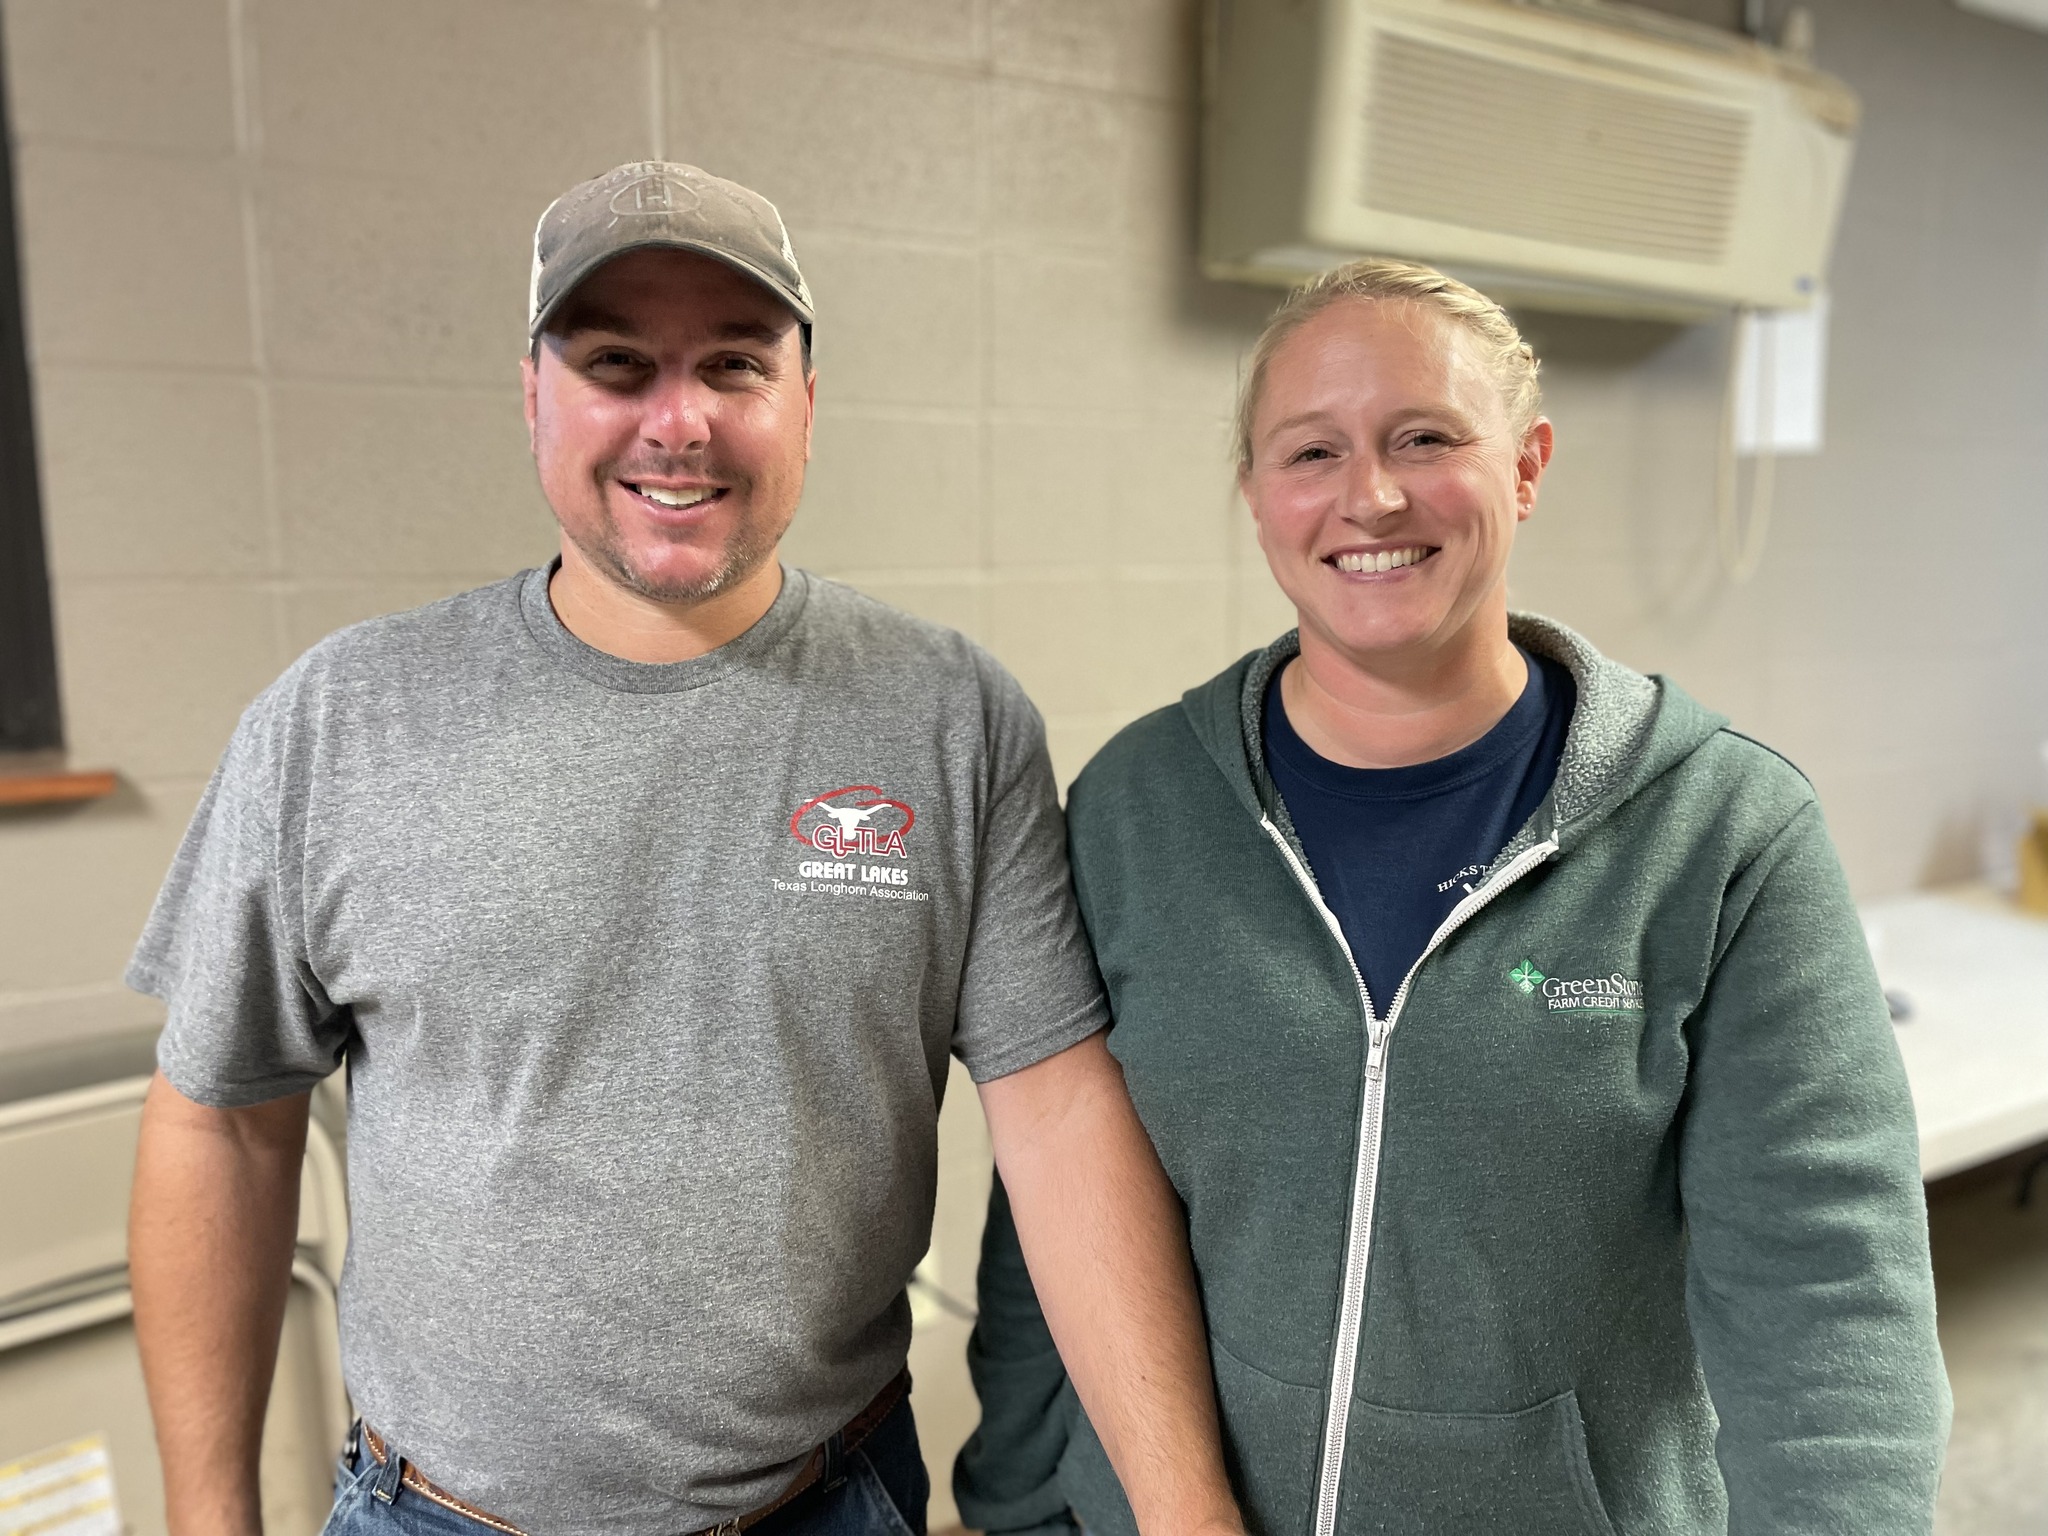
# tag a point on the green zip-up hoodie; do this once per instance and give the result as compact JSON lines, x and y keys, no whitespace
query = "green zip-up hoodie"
{"x":1632,"y":1149}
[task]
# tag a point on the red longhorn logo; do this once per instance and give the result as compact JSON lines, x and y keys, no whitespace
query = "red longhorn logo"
{"x":865,"y":822}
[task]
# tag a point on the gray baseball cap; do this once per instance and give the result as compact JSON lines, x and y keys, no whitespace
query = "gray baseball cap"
{"x":660,"y":203}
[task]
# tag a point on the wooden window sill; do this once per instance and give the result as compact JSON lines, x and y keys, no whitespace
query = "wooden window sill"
{"x":53,"y":785}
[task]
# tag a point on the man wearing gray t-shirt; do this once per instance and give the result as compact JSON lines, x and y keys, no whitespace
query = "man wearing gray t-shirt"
{"x":644,"y":897}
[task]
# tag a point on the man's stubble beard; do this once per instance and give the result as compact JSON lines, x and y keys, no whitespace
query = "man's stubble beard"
{"x":752,"y":542}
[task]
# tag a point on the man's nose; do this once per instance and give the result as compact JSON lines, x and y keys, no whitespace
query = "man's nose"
{"x":678,"y":413}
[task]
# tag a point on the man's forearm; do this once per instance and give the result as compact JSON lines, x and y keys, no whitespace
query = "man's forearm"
{"x":1106,"y":1243}
{"x":210,"y":1236}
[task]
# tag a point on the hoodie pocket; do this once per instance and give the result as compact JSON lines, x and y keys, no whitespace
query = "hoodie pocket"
{"x":1272,"y":1430}
{"x":1408,"y":1473}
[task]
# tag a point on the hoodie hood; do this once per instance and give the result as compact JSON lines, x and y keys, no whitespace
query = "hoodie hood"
{"x":1626,"y":729}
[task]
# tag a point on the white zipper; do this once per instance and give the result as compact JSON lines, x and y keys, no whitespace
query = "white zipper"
{"x":1365,"y":1176}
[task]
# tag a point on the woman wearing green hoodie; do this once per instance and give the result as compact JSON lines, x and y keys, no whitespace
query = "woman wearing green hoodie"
{"x":1502,"y":1019}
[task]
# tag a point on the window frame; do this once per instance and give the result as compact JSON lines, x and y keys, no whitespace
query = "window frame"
{"x":31,"y":713}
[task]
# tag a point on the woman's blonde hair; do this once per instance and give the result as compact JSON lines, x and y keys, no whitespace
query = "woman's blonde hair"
{"x":1379,"y":280}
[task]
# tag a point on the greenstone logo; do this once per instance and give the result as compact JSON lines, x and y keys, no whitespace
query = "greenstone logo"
{"x":1527,"y":977}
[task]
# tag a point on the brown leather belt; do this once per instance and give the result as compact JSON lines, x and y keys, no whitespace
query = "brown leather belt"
{"x":857,"y":1429}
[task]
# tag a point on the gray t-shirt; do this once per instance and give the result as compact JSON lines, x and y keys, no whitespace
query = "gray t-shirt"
{"x":646,"y":978}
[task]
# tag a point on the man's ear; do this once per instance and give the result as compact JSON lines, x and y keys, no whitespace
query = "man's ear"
{"x":529,"y":382}
{"x":1537,"y":445}
{"x":810,"y":410}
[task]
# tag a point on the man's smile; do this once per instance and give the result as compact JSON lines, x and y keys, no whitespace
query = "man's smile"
{"x":673,"y":498}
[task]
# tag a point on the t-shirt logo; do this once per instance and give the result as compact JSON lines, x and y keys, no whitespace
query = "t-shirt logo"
{"x":855,"y":820}
{"x":1598,"y":994}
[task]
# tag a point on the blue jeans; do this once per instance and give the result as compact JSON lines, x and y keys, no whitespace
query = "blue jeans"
{"x":877,"y":1489}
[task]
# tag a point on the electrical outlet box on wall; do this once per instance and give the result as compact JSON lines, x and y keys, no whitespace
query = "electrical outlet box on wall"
{"x":1562,"y":154}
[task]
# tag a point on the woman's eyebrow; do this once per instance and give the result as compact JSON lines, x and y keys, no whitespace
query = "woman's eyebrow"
{"x":1406,"y":414}
{"x":1298,"y":419}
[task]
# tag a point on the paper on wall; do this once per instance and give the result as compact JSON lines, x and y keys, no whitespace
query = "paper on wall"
{"x":66,"y":1490}
{"x":1781,"y":368}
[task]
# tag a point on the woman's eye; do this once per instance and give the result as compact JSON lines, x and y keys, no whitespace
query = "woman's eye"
{"x":1306,"y":455}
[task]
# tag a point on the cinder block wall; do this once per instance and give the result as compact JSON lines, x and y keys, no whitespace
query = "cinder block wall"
{"x":276,"y":258}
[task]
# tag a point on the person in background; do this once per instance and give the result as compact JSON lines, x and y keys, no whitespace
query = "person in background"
{"x":644,"y":897}
{"x":1502,"y":1019}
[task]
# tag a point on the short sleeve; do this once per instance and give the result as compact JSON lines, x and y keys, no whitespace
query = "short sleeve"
{"x":1029,"y":988}
{"x":247,"y":1021}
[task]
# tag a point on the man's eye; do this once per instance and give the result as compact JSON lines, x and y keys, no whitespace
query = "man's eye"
{"x":737,"y":363}
{"x":612,"y":359}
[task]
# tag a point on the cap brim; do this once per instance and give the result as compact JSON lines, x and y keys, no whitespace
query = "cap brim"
{"x":580,"y":274}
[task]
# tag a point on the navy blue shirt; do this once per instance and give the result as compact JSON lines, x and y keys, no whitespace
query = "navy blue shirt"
{"x":1395,"y":849}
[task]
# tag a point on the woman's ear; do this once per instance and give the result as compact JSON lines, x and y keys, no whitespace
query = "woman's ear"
{"x":1537,"y":445}
{"x":1244,"y":494}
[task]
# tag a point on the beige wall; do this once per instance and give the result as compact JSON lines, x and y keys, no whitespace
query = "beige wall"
{"x":276,"y":257}
{"x":1895,"y":642}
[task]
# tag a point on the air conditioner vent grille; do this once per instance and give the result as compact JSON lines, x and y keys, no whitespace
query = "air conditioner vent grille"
{"x":1465,"y":139}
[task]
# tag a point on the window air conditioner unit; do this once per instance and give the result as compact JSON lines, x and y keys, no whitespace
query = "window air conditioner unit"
{"x":1559,"y":154}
